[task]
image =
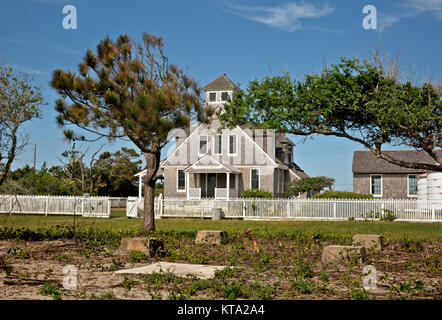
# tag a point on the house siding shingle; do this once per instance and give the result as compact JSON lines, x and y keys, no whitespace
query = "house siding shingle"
{"x":394,"y":186}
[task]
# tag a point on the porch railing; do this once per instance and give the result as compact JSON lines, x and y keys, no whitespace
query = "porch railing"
{"x":220,"y":193}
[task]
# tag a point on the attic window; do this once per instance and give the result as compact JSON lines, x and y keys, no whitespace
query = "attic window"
{"x":212,"y":96}
{"x":224,"y":96}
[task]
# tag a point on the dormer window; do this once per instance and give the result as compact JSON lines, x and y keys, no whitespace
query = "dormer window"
{"x":212,"y":96}
{"x":224,"y":96}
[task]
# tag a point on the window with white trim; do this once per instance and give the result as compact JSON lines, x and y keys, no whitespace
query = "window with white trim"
{"x":232,"y":144}
{"x":412,"y":185}
{"x":376,"y":185}
{"x":218,"y":142}
{"x":181,"y":183}
{"x":224,"y":96}
{"x":203,"y":145}
{"x":254,"y":178}
{"x":212,"y":96}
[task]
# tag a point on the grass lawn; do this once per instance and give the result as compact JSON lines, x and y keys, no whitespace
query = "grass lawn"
{"x":119,"y":222}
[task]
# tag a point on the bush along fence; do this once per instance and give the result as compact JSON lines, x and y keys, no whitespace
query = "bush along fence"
{"x":296,"y":209}
{"x":97,"y":207}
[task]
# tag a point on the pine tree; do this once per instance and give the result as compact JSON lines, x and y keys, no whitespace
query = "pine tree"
{"x":127,"y":90}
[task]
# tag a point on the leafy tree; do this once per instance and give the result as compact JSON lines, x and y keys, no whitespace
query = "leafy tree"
{"x":310,"y":185}
{"x":114,"y":173}
{"x":125,"y":90}
{"x":20,"y":102}
{"x":360,"y":101}
{"x":26,"y":181}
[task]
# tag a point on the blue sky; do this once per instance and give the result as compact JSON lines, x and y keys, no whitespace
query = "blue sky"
{"x":244,"y":39}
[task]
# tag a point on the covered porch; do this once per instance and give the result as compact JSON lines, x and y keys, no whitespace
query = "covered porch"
{"x":217,"y":185}
{"x":209,"y":178}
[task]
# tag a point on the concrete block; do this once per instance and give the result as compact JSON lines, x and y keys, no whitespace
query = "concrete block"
{"x":151,"y":246}
{"x":368,"y":241}
{"x":180,"y":269}
{"x":131,"y":244}
{"x":342,"y":254}
{"x":211,"y":236}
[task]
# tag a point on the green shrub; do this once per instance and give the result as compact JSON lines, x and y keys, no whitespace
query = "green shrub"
{"x":342,"y":195}
{"x":53,"y":289}
{"x":138,"y":256}
{"x":384,"y":215}
{"x":256,"y":193}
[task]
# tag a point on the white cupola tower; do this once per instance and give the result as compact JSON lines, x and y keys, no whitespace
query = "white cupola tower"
{"x":218,"y":91}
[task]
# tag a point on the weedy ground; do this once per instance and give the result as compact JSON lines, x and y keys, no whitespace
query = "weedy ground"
{"x":285,"y":265}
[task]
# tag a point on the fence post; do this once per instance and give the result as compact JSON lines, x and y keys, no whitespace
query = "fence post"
{"x":243,"y":209}
{"x":433,"y":212}
{"x":82,"y":206}
{"x":334,"y":210}
{"x":160,"y":204}
{"x":109,"y":207}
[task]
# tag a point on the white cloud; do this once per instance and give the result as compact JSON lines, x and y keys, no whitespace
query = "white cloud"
{"x":411,"y":8}
{"x":287,"y":17}
{"x":30,"y":71}
{"x":386,"y":21}
{"x":421,"y":6}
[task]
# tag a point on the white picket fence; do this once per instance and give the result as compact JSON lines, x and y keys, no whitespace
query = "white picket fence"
{"x":292,"y":209}
{"x":97,"y":207}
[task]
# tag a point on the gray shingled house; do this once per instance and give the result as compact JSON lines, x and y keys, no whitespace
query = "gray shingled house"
{"x":383,"y":179}
{"x":208,"y":163}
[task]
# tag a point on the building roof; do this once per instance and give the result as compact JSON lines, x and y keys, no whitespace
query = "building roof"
{"x":367,"y":162}
{"x":220,"y":83}
{"x":282,"y":138}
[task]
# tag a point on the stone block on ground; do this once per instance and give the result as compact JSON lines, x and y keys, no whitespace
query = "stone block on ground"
{"x":342,"y":254}
{"x":151,"y":246}
{"x":201,"y":271}
{"x":211,"y":236}
{"x":368,"y":241}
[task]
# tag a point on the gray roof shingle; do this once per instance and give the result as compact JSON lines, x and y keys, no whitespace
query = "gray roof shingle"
{"x":220,"y":83}
{"x":367,"y":162}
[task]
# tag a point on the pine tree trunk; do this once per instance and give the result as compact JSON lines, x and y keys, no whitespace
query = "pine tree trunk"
{"x":152,"y":165}
{"x":149,"y":205}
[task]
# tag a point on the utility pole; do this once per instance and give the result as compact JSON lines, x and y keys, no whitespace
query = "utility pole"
{"x":35,"y":155}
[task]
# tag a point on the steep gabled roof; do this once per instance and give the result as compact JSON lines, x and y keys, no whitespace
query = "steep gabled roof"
{"x":220,"y":83}
{"x":367,"y":162}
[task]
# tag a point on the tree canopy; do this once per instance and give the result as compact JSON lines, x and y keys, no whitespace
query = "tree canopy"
{"x":357,"y":100}
{"x":111,"y":175}
{"x":20,"y":101}
{"x":309,"y":185}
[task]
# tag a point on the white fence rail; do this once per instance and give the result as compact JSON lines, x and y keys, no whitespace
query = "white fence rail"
{"x":98,"y":207}
{"x":294,"y":209}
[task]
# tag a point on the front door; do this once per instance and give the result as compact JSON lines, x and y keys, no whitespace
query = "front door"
{"x":211,"y":184}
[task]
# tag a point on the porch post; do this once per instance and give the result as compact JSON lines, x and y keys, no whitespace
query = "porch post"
{"x":140,"y":184}
{"x":228,"y":185}
{"x":187,"y":184}
{"x":236,"y":186}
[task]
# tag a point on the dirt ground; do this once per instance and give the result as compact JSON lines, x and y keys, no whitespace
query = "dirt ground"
{"x":279,"y":268}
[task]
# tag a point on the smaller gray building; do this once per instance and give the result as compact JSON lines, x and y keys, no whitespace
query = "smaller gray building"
{"x":383,"y":179}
